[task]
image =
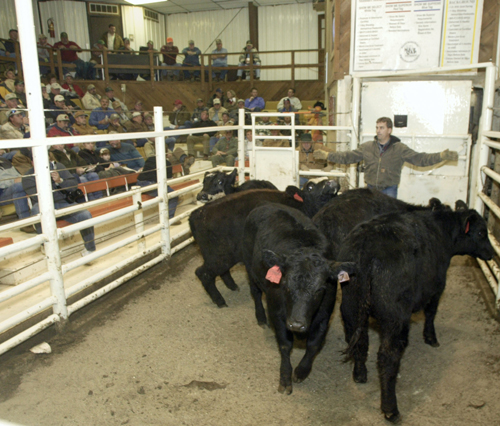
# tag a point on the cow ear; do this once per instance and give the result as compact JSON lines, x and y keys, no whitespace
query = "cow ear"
{"x":435,"y":204}
{"x":295,"y":192}
{"x":270,"y":259}
{"x":206,"y":173}
{"x":460,"y":206}
{"x":342,"y":271}
{"x":469,"y":219}
{"x":232,"y":176}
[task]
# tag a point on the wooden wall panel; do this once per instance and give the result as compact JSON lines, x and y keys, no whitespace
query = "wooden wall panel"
{"x":164,"y":93}
{"x":489,"y":31}
{"x":342,"y":44}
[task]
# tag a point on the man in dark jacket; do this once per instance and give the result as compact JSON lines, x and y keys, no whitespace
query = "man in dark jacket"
{"x":203,"y":137}
{"x":384,"y":157}
{"x":62,"y":182}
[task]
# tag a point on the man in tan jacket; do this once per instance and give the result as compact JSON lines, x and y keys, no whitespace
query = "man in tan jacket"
{"x":81,"y":125}
{"x":15,"y":128}
{"x":112,"y":40}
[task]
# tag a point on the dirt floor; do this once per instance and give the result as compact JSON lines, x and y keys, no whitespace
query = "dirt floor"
{"x":158,"y":352}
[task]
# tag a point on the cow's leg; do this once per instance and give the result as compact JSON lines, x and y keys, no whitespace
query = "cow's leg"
{"x":430,"y":313}
{"x":207,"y":278}
{"x":228,"y":280}
{"x":350,"y":313}
{"x":392,"y":345}
{"x":260,"y":312}
{"x":284,"y":338}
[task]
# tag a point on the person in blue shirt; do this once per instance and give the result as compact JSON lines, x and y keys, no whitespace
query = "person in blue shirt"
{"x":254,"y":103}
{"x":99,"y":117}
{"x":125,"y":154}
{"x":191,"y":59}
{"x":219,"y":60}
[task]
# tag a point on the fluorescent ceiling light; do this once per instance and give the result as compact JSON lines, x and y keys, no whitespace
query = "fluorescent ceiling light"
{"x":137,"y":2}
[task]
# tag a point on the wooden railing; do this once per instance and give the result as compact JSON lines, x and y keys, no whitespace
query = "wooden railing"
{"x":9,"y":60}
{"x":56,"y":64}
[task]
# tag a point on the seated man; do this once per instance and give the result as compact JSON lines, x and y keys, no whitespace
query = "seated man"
{"x":136,"y":125}
{"x":99,"y":117}
{"x":62,"y":182}
{"x":276,"y":142}
{"x":12,"y":192}
{"x":81,"y":126}
{"x":74,"y":90}
{"x":219,"y":60}
{"x":200,"y":106}
{"x":178,"y":156}
{"x":69,"y":55}
{"x":245,"y":58}
{"x":104,"y":169}
{"x":91,"y":100}
{"x":191,"y":59}
{"x":150,"y":177}
{"x":117,"y":106}
{"x":125,"y":154}
{"x":264,"y":121}
{"x":293,"y":100}
{"x":235,"y":113}
{"x":63,"y":106}
{"x":287,"y":106}
{"x":255,"y":102}
{"x":170,"y":59}
{"x":226,"y":121}
{"x":61,"y":128}
{"x":11,"y":102}
{"x":110,"y":94}
{"x":114,"y":124}
{"x":215,"y":113}
{"x":306,"y":157}
{"x":20,"y":92}
{"x":16,"y":126}
{"x":225,"y":150}
{"x":201,"y":137}
{"x":217,"y":95}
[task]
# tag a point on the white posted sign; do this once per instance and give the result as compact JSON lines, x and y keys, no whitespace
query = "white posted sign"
{"x":412,"y":34}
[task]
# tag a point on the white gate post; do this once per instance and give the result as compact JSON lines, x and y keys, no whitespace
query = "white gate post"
{"x":241,"y":147}
{"x":27,"y":40}
{"x":356,"y":100}
{"x":161,"y":171}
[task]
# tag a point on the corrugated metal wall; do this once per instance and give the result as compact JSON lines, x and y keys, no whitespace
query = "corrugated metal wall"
{"x":231,"y":26}
{"x":293,"y":26}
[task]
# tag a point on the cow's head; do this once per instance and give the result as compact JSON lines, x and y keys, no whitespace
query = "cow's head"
{"x":305,"y":277}
{"x":315,"y":194}
{"x":473,"y":234}
{"x":216,"y":185}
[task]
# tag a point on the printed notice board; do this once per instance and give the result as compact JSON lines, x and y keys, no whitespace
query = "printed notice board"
{"x":412,"y":34}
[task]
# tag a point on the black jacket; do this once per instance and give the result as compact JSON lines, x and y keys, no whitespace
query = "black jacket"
{"x":149,"y":171}
{"x":200,"y":124}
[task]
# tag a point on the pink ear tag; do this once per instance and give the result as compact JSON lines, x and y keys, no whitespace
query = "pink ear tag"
{"x":467,"y":227}
{"x":274,"y":274}
{"x":298,"y":197}
{"x":343,"y":276}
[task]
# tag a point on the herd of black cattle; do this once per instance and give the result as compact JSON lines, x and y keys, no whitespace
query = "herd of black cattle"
{"x":389,"y":257}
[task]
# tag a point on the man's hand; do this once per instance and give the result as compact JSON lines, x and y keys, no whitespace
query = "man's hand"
{"x":448,"y":155}
{"x":80,"y":171}
{"x":55,"y":177}
{"x":220,"y":153}
{"x":319,"y":154}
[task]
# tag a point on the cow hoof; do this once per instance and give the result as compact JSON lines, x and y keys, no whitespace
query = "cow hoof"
{"x":287,"y":390}
{"x":432,"y":342}
{"x":360,"y":374}
{"x":263,"y":325}
{"x":222,"y":305}
{"x":300,"y":374}
{"x":235,"y":288}
{"x":394,"y":418}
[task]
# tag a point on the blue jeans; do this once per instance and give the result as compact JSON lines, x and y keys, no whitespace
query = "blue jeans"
{"x":88,"y":177}
{"x":15,"y":194}
{"x":391,"y":191}
{"x":9,"y":155}
{"x":187,"y":74}
{"x":87,"y":233}
{"x":170,"y":72}
{"x":213,"y":141}
{"x":257,"y":70}
{"x":172,"y":202}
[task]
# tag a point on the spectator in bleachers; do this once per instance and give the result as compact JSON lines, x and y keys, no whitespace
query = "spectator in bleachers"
{"x":179,"y":117}
{"x":19,"y":91}
{"x":62,"y":105}
{"x":149,"y":176}
{"x":225,"y":150}
{"x":8,"y":83}
{"x":113,"y":41}
{"x":99,"y":117}
{"x":234,"y":114}
{"x":74,"y":90}
{"x":54,"y":89}
{"x":215,"y":113}
{"x":96,"y":53}
{"x":219,"y":60}
{"x":217,"y":95}
{"x":110,"y":93}
{"x":62,"y":127}
{"x":81,"y":126}
{"x":148,"y":121}
{"x":306,"y":159}
{"x":200,"y":106}
{"x":69,"y":55}
{"x":126,"y":46}
{"x":136,"y":108}
{"x":10,"y":49}
{"x":177,"y":156}
{"x":16,"y":126}
{"x":12,"y":192}
{"x":136,"y":124}
{"x":43,"y":53}
{"x":115,"y":125}
{"x":62,"y":180}
{"x":203,"y":138}
{"x":249,"y":143}
{"x":11,"y":102}
{"x":255,"y":103}
{"x":104,"y":169}
{"x":231,"y":102}
{"x":276,"y":142}
{"x":191,"y":59}
{"x":46,"y":97}
{"x":264,"y":121}
{"x":23,"y":160}
{"x":293,"y":100}
{"x":245,"y":60}
{"x":286,"y":121}
{"x":91,"y":100}
{"x":287,"y":106}
{"x":170,"y":59}
{"x":117,"y":106}
{"x":226,"y":121}
{"x":125,"y":154}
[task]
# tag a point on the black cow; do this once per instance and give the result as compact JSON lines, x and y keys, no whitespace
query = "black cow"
{"x":219,"y":184}
{"x":352,"y":207}
{"x":285,"y":257}
{"x":217,"y":227}
{"x":402,"y":261}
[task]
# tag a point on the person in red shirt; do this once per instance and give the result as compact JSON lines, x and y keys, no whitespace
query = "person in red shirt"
{"x":69,"y":55}
{"x":170,"y":58}
{"x":74,"y":89}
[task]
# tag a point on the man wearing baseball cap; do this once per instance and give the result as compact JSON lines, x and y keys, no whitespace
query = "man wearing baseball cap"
{"x":115,"y":125}
{"x":63,"y":106}
{"x":99,"y":117}
{"x":74,"y":90}
{"x":191,"y":59}
{"x":219,"y":59}
{"x":91,"y":100}
{"x":110,"y":93}
{"x":12,"y":103}
{"x":69,"y":55}
{"x":15,"y":127}
{"x":43,"y":53}
{"x":247,"y":54}
{"x":200,"y":106}
{"x":135,"y":125}
{"x":307,"y":161}
{"x":61,"y":128}
{"x":81,"y":126}
{"x":170,"y":59}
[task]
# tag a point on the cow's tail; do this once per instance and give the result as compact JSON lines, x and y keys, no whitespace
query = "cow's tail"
{"x":364,"y":282}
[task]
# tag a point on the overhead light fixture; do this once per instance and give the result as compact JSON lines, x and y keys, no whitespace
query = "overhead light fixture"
{"x":138,"y":2}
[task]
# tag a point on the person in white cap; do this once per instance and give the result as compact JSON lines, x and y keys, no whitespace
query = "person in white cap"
{"x":191,"y":59}
{"x":62,"y":105}
{"x":215,"y":113}
{"x":11,"y":102}
{"x":91,"y":100}
{"x":61,"y":128}
{"x":15,"y":128}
